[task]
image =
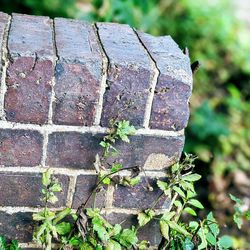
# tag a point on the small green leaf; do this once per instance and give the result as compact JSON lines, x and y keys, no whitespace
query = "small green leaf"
{"x":128,"y":238}
{"x":195,"y":203}
{"x":168,"y":215}
{"x":38,"y":216}
{"x":248,"y":215}
{"x":143,"y":245}
{"x":226,"y":242}
{"x":145,"y":217}
{"x":56,"y":187}
{"x":63,"y":228}
{"x":202,"y":236}
{"x":191,"y":194}
{"x":179,"y":191}
{"x":162,"y":185}
{"x":191,"y":177}
{"x":46,"y":177}
{"x":52,"y":199}
{"x":235,"y":199}
{"x":178,"y":228}
{"x":164,"y":227}
{"x":188,"y":244}
{"x":193,"y":225}
{"x":211,"y":238}
{"x":116,"y":229}
{"x":3,"y":243}
{"x":113,"y":245}
{"x":103,"y":144}
{"x":106,"y":181}
{"x":61,"y":215}
{"x":238,"y":220}
{"x":189,"y":210}
{"x":177,"y":203}
{"x":116,"y":167}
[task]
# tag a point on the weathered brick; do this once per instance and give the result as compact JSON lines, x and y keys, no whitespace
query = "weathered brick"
{"x":170,"y":109}
{"x":72,"y":149}
{"x":149,"y":152}
{"x":30,"y":72}
{"x":76,"y":150}
{"x":20,"y":147}
{"x":139,"y":196}
{"x":128,"y":77}
{"x":78,"y":73}
{"x":23,"y":189}
{"x":17,"y":226}
{"x":150,"y":232}
{"x":84,"y":186}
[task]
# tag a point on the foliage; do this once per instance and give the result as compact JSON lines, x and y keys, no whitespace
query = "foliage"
{"x":239,"y":215}
{"x":88,"y":229}
{"x":50,"y":225}
{"x":4,"y":245}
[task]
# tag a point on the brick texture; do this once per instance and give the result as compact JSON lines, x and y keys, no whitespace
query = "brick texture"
{"x":142,"y":196}
{"x":29,"y":75}
{"x":23,"y":189}
{"x":78,"y":73}
{"x":170,"y":109}
{"x":17,"y":226}
{"x":62,"y":82}
{"x":129,"y":64}
{"x":84,"y":186}
{"x":20,"y":147}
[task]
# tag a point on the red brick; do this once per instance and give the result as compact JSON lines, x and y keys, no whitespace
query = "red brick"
{"x":84,"y":186}
{"x":128,"y":76}
{"x":17,"y":226}
{"x":23,"y":189}
{"x":20,"y":147}
{"x":143,"y":151}
{"x":76,"y":150}
{"x":139,"y":196}
{"x":78,"y":73}
{"x":30,"y":72}
{"x":170,"y":110}
{"x":73,"y":150}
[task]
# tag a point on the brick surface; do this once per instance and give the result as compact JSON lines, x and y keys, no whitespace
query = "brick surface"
{"x":170,"y":109}
{"x":17,"y":226}
{"x":78,"y":73}
{"x":152,"y":153}
{"x":20,"y":147}
{"x":139,"y":196}
{"x":84,"y":186}
{"x":76,"y":150}
{"x":72,"y":149}
{"x":30,"y":72}
{"x":150,"y":232}
{"x":23,"y":189}
{"x":128,"y":76}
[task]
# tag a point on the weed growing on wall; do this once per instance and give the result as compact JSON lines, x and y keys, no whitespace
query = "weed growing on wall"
{"x":88,"y":229}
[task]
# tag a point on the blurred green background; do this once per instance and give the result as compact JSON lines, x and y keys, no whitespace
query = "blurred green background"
{"x":219,"y":128}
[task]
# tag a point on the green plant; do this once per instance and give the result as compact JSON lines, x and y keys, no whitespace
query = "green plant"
{"x":89,"y":229}
{"x":4,"y":245}
{"x":239,"y":214}
{"x":50,"y":222}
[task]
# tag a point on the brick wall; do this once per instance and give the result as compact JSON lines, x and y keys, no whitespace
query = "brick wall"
{"x":61,"y":83}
